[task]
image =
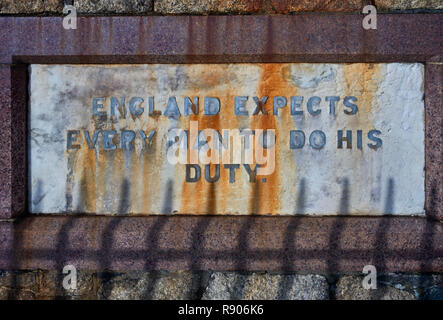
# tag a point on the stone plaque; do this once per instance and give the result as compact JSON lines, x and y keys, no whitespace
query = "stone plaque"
{"x":277,"y":139}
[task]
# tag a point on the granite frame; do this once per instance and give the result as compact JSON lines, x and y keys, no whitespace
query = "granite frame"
{"x":290,"y":244}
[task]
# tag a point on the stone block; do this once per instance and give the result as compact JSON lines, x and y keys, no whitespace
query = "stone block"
{"x":351,"y":288}
{"x":113,"y":6}
{"x":30,"y":6}
{"x":264,"y":286}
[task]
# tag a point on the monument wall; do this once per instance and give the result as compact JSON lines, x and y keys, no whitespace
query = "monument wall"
{"x":118,"y":149}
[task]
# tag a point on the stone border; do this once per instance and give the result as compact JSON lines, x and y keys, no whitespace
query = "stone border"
{"x":324,"y":244}
{"x":325,"y":38}
{"x":434,"y":140}
{"x":288,"y":244}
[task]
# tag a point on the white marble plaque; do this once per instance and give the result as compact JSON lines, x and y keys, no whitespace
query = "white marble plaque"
{"x":271,"y":139}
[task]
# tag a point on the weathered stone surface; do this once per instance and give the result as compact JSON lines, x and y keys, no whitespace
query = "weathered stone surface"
{"x":285,"y":6}
{"x":434,"y":293}
{"x":408,"y":4}
{"x":113,"y":6}
{"x":237,"y":286}
{"x":50,"y":285}
{"x":434,"y":140}
{"x":18,"y":285}
{"x":45,"y":284}
{"x":135,"y":285}
{"x":209,"y":6}
{"x":206,"y":7}
{"x":358,"y":177}
{"x":422,"y":286}
{"x":351,"y":288}
{"x":18,"y":279}
{"x":30,"y":6}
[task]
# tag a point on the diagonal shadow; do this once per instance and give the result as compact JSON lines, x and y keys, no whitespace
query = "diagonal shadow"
{"x":333,"y":258}
{"x":105,"y":252}
{"x":241,"y":253}
{"x":198,"y":241}
{"x":153,"y":245}
{"x":426,"y":243}
{"x":288,"y":245}
{"x":62,"y":246}
{"x":380,"y":238}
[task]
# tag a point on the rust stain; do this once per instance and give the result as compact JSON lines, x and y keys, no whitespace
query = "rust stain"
{"x":99,"y":175}
{"x":264,"y":194}
{"x":150,"y":159}
{"x":156,"y":162}
{"x":211,"y":206}
{"x":361,"y":81}
{"x":271,"y":84}
{"x":100,"y":179}
{"x":88,"y":181}
{"x":146,"y":172}
{"x":195,"y":196}
{"x":135,"y":177}
{"x":116,"y":159}
{"x":228,"y":190}
{"x":188,"y":201}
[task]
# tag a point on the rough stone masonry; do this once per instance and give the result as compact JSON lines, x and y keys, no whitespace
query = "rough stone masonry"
{"x":185,"y":285}
{"x":209,"y":6}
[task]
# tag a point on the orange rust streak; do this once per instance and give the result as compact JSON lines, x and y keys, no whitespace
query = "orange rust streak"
{"x":135,"y":190}
{"x":360,"y":80}
{"x":229,"y":120}
{"x":150,"y":160}
{"x":146,"y":182}
{"x":196,"y":197}
{"x":100,"y":178}
{"x":88,"y":183}
{"x":264,"y":197}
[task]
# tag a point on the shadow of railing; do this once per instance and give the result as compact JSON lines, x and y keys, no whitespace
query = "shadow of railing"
{"x":288,"y":245}
{"x":105,"y":257}
{"x":382,"y":229}
{"x":241,"y":255}
{"x":428,"y":236}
